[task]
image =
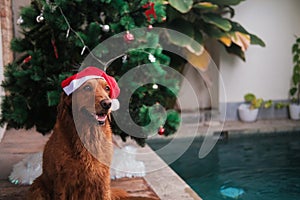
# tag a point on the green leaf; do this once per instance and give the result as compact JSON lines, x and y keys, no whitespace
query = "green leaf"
{"x":257,"y":102}
{"x":199,"y":38}
{"x":280,"y":105}
{"x":206,"y":6}
{"x":256,"y":40}
{"x":226,"y":2}
{"x":182,"y":6}
{"x":296,"y":58}
{"x":296,"y":69}
{"x":268,"y":104}
{"x":249,"y":97}
{"x":190,"y":41}
{"x":236,"y":50}
{"x":213,"y":31}
{"x":293,"y":91}
{"x":295,"y":48}
{"x":296,"y":78}
{"x":218,"y":21}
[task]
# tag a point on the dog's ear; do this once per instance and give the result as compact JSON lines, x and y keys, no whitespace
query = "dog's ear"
{"x":65,"y":103}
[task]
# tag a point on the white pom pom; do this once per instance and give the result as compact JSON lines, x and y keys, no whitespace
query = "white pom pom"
{"x":115,"y":104}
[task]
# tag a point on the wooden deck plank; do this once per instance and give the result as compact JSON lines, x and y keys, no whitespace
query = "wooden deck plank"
{"x":136,"y":187}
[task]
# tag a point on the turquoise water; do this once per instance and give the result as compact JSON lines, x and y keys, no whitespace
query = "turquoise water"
{"x":248,"y":167}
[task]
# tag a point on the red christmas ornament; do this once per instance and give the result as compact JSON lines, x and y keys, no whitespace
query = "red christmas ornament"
{"x":128,"y":37}
{"x":27,"y":59}
{"x":161,"y":131}
{"x":54,"y":48}
{"x":150,"y":11}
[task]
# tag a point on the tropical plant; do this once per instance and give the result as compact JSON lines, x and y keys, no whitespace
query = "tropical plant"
{"x":210,"y":19}
{"x":295,"y":89}
{"x":256,"y":103}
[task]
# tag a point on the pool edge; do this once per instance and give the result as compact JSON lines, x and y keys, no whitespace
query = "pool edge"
{"x":166,"y":183}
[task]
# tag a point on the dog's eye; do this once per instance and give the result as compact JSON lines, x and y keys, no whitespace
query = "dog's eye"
{"x":87,"y":88}
{"x":107,"y":88}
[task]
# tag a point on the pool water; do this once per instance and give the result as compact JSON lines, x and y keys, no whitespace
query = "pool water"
{"x":247,"y":167}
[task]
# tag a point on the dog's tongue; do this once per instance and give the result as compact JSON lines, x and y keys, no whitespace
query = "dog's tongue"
{"x":101,"y":118}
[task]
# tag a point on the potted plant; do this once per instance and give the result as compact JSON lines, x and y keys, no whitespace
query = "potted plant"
{"x":294,"y":107}
{"x":248,"y":111}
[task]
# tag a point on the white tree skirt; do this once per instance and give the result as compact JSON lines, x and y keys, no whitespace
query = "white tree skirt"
{"x":124,"y":164}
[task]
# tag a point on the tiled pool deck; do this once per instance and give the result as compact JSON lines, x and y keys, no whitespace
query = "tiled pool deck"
{"x":164,"y":183}
{"x":260,"y":126}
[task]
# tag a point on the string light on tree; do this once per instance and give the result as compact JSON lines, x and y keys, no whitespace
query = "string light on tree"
{"x":68,"y":33}
{"x":102,"y":17}
{"x":155,"y":86}
{"x":83,"y":49}
{"x":78,"y":36}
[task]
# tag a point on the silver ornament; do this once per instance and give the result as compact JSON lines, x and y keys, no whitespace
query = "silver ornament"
{"x":105,"y":28}
{"x":102,"y":17}
{"x":20,"y":20}
{"x":40,"y":18}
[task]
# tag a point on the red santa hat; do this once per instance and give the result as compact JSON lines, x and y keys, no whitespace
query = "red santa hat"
{"x":72,"y":83}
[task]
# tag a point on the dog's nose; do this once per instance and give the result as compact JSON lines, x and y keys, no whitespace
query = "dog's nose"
{"x":105,"y":103}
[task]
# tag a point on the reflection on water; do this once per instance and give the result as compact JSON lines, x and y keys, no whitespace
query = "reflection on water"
{"x":263,"y":166}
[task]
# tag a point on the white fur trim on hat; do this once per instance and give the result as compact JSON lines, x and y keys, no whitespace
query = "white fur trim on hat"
{"x":76,"y":83}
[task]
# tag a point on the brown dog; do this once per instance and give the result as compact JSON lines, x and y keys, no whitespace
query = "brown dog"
{"x":77,"y":157}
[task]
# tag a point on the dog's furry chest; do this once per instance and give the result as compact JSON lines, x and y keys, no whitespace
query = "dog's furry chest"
{"x":75,"y":168}
{"x":81,"y":179}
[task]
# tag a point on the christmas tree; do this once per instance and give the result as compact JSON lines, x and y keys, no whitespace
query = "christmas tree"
{"x":59,"y":34}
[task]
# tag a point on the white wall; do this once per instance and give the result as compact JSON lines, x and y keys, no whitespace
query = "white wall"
{"x":267,"y":71}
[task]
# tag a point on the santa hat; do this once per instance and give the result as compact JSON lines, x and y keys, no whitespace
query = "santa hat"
{"x":72,"y":83}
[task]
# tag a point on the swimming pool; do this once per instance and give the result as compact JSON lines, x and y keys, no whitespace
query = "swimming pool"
{"x":244,"y":166}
